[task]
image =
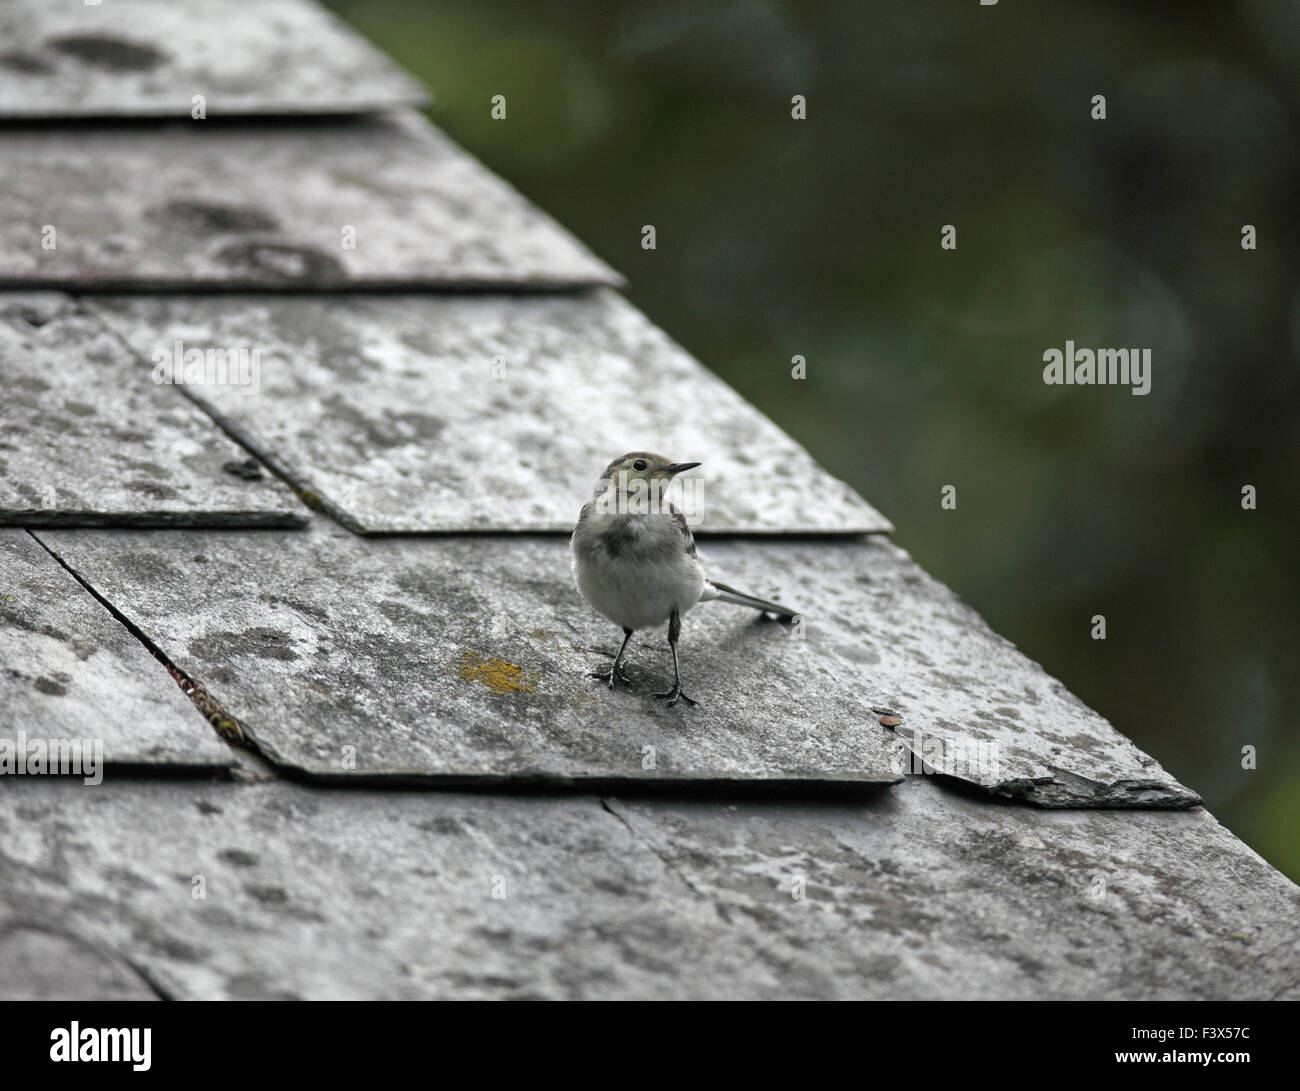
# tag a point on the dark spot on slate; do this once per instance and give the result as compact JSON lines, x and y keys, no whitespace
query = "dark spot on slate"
{"x":249,"y":469}
{"x":152,"y":490}
{"x":307,"y":608}
{"x":269,"y":895}
{"x":127,"y":880}
{"x":419,"y":340}
{"x":80,"y":409}
{"x":281,"y":262}
{"x":172,"y":948}
{"x":443,"y":824}
{"x":105,"y":51}
{"x":18,"y":620}
{"x":26,"y":63}
{"x":256,"y":987}
{"x":390,"y":430}
{"x":207,"y":808}
{"x":151,"y":568}
{"x":50,"y":686}
{"x":196,"y":217}
{"x":400,"y":613}
{"x":238,"y":857}
{"x":488,"y":738}
{"x":261,"y":641}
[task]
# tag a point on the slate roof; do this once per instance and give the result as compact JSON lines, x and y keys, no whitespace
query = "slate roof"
{"x":326,"y":633}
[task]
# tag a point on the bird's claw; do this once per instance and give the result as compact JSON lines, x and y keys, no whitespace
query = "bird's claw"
{"x":674,"y":695}
{"x":612,"y":677}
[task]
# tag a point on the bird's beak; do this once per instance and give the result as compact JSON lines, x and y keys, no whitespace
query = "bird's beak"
{"x":676,"y":468}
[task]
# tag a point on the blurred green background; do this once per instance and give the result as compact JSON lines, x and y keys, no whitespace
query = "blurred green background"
{"x":821,"y":238}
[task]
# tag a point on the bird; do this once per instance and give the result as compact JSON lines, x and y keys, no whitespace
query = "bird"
{"x":634,"y":560}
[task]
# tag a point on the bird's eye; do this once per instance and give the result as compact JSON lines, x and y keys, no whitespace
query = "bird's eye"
{"x":639,"y":464}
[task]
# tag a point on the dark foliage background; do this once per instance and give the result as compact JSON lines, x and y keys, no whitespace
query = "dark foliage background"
{"x":821,"y":237}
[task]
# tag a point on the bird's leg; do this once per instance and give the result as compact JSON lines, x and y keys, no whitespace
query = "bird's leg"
{"x":674,"y":631}
{"x":615,"y":673}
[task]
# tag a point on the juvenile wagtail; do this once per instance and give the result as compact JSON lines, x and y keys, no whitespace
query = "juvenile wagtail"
{"x":634,"y":559}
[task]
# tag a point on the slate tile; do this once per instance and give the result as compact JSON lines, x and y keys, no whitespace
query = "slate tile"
{"x":69,"y":670}
{"x":144,"y":58}
{"x":468,"y":657}
{"x":87,"y":438}
{"x":374,"y":202}
{"x":467,"y":661}
{"x":418,"y":413}
{"x":275,"y":891}
{"x":918,"y":893}
{"x":928,"y":894}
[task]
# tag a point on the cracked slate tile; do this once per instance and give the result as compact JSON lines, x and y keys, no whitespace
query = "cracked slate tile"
{"x":70,"y":670}
{"x":467,"y":657}
{"x":324,"y":894}
{"x":467,"y":660}
{"x":87,"y":438}
{"x":929,"y":894}
{"x":419,"y":413}
{"x":919,"y":894}
{"x":144,"y":58}
{"x":375,"y":201}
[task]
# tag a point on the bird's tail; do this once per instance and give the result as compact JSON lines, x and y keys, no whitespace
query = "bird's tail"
{"x":729,"y":594}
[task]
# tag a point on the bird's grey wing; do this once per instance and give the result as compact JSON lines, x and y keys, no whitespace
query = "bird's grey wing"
{"x":687,"y":537}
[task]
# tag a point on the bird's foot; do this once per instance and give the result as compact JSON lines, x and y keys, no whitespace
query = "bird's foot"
{"x":613,"y":677}
{"x":674,"y":695}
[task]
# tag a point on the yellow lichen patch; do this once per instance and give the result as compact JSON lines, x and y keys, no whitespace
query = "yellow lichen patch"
{"x":498,"y":675}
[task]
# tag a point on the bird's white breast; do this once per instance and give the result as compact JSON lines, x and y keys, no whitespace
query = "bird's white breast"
{"x":651,"y":573}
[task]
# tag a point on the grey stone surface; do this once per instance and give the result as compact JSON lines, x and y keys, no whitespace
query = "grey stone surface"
{"x":329,"y":894}
{"x":87,"y":438}
{"x":928,"y":894}
{"x":419,"y":413}
{"x":40,"y":961}
{"x":919,"y":893}
{"x":200,"y":204}
{"x":468,"y":657}
{"x":145,"y":58}
{"x":467,"y":660}
{"x":70,"y":670}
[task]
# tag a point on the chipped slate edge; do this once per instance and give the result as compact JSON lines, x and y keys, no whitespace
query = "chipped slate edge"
{"x":1061,"y":789}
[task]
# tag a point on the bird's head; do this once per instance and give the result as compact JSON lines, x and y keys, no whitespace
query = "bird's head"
{"x":644,"y":466}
